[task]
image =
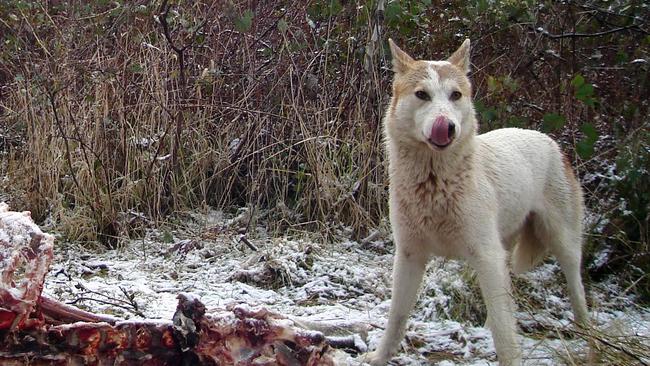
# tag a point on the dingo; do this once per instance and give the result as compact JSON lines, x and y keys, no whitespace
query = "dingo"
{"x":457,"y":194}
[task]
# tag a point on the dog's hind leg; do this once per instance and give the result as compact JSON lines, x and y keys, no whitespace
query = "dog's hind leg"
{"x":560,"y":227}
{"x":563,"y":235}
{"x":563,"y":226}
{"x":408,"y":272}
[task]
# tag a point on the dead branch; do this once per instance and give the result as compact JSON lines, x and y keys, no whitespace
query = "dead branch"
{"x":547,"y":34}
{"x":180,"y":53}
{"x":58,"y":312}
{"x":243,"y":239}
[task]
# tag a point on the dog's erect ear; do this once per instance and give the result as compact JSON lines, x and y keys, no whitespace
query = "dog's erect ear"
{"x":401,"y":60}
{"x":460,"y":58}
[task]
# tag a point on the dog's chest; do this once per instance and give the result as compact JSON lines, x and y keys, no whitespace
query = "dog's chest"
{"x":433,"y":203}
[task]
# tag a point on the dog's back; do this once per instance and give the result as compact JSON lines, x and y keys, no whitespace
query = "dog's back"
{"x":531,"y":180}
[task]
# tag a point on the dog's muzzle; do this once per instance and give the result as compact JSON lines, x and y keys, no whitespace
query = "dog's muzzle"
{"x":443,"y":132}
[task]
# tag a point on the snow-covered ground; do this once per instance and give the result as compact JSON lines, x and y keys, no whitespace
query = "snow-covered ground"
{"x":340,"y":283}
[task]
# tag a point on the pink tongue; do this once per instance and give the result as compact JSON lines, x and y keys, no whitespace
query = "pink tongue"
{"x":440,"y":132}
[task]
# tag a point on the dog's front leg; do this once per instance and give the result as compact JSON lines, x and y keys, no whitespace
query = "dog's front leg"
{"x":408,"y":270}
{"x":494,"y":280}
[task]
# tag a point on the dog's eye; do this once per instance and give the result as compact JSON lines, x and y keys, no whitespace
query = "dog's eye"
{"x":422,"y":95}
{"x":455,"y":95}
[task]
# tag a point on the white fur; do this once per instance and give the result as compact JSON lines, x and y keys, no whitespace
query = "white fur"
{"x":478,"y":199}
{"x":439,"y":104}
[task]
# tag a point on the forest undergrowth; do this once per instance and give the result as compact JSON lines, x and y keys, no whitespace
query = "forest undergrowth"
{"x":115,"y":116}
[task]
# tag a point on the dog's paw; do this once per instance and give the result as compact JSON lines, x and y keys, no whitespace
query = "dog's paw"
{"x":375,"y":358}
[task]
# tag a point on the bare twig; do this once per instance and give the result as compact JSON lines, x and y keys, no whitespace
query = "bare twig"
{"x":51,"y":94}
{"x":106,"y":302}
{"x":129,"y":305}
{"x":180,"y":53}
{"x":371,"y":237}
{"x":547,"y":34}
{"x":270,"y":28}
{"x":62,"y":311}
{"x":589,"y":335}
{"x":244,"y":239}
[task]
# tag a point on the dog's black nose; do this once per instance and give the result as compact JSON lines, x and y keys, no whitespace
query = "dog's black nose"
{"x":452,"y":129}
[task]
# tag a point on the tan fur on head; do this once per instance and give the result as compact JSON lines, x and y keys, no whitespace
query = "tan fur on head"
{"x":409,"y":71}
{"x":411,"y":118}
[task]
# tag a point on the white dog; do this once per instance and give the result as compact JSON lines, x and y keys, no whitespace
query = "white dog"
{"x":485,"y":198}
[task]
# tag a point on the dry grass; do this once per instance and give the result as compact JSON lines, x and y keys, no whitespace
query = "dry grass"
{"x":268,"y":131}
{"x":108,"y":124}
{"x":282,"y":117}
{"x":618,"y":344}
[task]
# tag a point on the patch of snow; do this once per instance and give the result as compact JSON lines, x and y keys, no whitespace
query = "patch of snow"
{"x":335,"y":285}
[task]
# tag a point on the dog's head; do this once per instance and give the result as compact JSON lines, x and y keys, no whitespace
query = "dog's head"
{"x":431,"y":103}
